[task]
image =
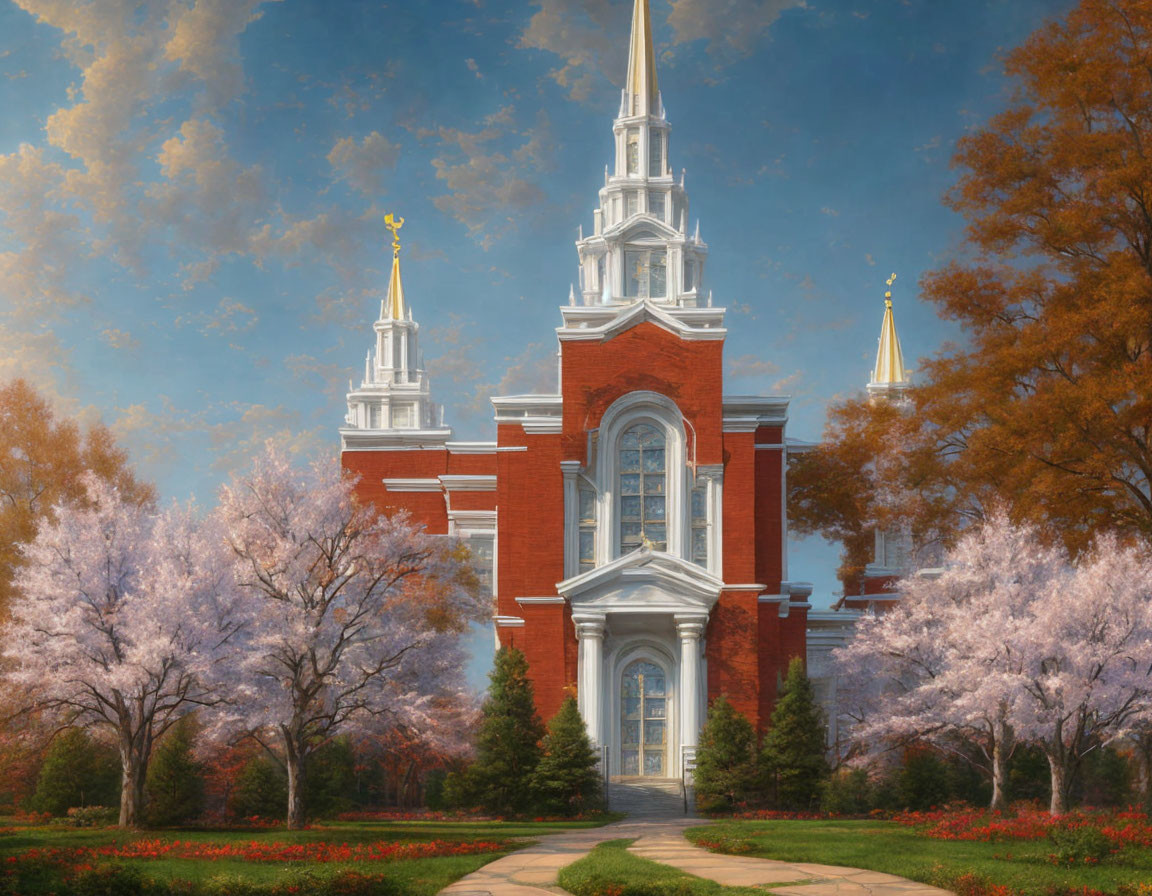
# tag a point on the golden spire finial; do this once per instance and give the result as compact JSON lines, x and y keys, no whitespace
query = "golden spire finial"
{"x":395,"y":287}
{"x":641,"y":85}
{"x":889,"y":369}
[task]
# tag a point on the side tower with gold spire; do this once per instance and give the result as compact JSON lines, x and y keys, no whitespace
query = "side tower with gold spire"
{"x":890,"y":382}
{"x":889,"y":378}
{"x":393,"y":401}
{"x":640,"y":247}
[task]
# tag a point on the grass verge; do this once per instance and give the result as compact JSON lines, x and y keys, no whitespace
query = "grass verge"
{"x":1024,"y":867}
{"x":610,"y":870}
{"x":52,"y":859}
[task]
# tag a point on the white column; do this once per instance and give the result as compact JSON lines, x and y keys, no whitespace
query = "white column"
{"x":690,"y":629}
{"x":590,"y":673}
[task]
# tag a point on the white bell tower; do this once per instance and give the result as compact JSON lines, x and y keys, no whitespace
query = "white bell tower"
{"x":394,"y":397}
{"x":640,"y":247}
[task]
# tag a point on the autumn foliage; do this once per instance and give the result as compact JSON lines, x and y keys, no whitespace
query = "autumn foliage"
{"x":1048,"y":405}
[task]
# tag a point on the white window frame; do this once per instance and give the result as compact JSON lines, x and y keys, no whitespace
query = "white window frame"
{"x":661,"y":412}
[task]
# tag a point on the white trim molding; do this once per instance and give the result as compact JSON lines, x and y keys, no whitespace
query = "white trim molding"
{"x":413,"y":485}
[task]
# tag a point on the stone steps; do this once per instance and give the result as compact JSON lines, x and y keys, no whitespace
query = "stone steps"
{"x":647,"y":797}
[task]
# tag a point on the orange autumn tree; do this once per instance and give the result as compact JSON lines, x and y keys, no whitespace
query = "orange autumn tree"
{"x":42,"y":459}
{"x":1048,"y":405}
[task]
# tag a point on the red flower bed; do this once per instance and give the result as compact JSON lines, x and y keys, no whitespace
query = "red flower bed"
{"x":399,"y":815}
{"x":256,"y":851}
{"x":1129,"y":828}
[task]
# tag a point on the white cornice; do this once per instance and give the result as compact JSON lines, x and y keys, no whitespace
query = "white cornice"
{"x":508,"y":621}
{"x":473,"y":519}
{"x":352,"y":439}
{"x":747,"y":413}
{"x":462,"y":483}
{"x":601,"y":323}
{"x":471,"y":447}
{"x":413,"y":485}
{"x":529,"y":601}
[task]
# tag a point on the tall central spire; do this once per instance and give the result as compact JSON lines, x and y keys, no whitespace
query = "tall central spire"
{"x":642,"y":89}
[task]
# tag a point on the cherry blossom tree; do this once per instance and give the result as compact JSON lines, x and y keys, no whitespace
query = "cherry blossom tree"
{"x":350,"y":617}
{"x":1087,"y":653}
{"x":120,"y":615}
{"x":1009,"y":641}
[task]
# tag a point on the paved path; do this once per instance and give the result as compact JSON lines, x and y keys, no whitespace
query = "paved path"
{"x":533,"y":871}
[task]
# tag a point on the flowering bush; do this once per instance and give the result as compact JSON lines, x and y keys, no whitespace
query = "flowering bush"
{"x":1080,"y":844}
{"x":90,"y":816}
{"x":1119,"y":829}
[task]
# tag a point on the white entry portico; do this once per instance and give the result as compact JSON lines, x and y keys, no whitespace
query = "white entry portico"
{"x":641,"y":674}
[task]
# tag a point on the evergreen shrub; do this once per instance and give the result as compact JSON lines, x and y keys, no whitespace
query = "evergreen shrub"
{"x":261,"y":790}
{"x":793,"y":757}
{"x":726,"y":770}
{"x":77,"y":771}
{"x":508,"y":745}
{"x":566,"y":780}
{"x":175,"y":782}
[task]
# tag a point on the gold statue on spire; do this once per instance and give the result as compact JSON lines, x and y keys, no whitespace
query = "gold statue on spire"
{"x":395,"y":301}
{"x":393,"y":223}
{"x":888,"y":293}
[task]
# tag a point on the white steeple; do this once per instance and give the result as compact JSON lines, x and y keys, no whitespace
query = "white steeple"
{"x":393,"y":400}
{"x":639,"y":248}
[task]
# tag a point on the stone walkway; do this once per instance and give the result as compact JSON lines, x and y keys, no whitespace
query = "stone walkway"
{"x":533,"y":871}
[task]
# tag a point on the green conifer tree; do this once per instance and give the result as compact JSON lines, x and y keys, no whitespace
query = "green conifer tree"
{"x":726,"y":771}
{"x":175,"y":783}
{"x":261,"y":790}
{"x":566,"y":781}
{"x":77,"y":771}
{"x":793,"y":756}
{"x":508,"y":745}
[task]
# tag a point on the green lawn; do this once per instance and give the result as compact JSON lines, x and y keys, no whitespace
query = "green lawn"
{"x":611,"y":869}
{"x":418,"y":876}
{"x":895,"y":849}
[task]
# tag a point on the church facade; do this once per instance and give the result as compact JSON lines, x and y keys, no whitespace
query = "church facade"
{"x":632,"y":526}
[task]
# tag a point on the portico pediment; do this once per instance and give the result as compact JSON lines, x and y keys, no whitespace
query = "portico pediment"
{"x":643,"y":581}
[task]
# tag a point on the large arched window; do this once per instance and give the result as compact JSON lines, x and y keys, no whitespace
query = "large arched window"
{"x":643,"y":489}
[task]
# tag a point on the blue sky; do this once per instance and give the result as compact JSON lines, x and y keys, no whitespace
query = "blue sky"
{"x":192,"y":196}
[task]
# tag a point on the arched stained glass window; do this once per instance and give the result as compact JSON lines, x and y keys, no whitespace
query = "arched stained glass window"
{"x":643,"y":489}
{"x":643,"y":720}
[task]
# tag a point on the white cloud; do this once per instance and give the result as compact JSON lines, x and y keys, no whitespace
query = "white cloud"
{"x":751,"y":366}
{"x":203,"y":40}
{"x":731,"y":28}
{"x":490,"y":173}
{"x":591,"y":36}
{"x":362,"y":164}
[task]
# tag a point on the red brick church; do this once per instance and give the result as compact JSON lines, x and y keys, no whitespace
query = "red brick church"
{"x":632,"y":526}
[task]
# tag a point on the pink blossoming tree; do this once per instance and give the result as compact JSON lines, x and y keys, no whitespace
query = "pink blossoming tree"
{"x":1008,"y":642}
{"x":119,"y":618}
{"x":351,"y":619}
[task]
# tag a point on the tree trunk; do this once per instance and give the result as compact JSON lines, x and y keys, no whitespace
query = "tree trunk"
{"x":1144,"y":755}
{"x":999,"y":774}
{"x":1003,"y":740}
{"x":1060,"y":782}
{"x":133,"y":768}
{"x":294,"y":761}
